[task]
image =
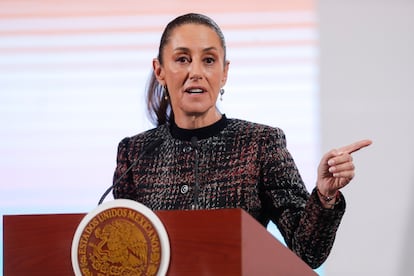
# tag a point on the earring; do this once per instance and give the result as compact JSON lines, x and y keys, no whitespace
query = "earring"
{"x":221,"y":94}
{"x":165,"y":92}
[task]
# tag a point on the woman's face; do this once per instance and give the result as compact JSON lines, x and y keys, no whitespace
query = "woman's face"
{"x":193,"y":70}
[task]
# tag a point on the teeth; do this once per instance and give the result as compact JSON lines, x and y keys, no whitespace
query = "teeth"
{"x":195,"y":90}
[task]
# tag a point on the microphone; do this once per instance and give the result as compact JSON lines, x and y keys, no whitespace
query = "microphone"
{"x":149,"y":148}
{"x":194,"y":144}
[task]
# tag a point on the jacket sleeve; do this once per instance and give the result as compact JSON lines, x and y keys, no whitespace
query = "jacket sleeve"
{"x":125,"y":187}
{"x":314,"y":237}
{"x":308,"y":229}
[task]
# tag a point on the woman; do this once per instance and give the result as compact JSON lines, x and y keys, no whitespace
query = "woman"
{"x":203,"y":160}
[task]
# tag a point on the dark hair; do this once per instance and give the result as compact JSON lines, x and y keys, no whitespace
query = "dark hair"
{"x":158,"y":106}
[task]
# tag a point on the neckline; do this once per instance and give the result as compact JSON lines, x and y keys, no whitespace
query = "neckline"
{"x":200,"y":133}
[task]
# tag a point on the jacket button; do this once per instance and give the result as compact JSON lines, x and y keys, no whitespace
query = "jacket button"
{"x":184,"y":189}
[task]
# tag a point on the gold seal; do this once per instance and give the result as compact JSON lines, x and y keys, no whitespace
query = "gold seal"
{"x":118,"y":241}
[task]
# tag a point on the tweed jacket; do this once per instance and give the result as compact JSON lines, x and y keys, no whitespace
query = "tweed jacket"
{"x":232,"y":164}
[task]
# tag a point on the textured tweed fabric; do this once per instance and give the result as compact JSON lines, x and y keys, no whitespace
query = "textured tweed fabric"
{"x":233,"y":164}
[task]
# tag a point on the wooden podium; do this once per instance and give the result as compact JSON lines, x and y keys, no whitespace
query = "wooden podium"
{"x":203,"y":242}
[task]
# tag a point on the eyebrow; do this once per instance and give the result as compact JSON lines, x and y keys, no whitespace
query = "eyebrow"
{"x":185,"y":49}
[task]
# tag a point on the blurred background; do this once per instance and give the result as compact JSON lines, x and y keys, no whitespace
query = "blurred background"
{"x":366,"y":83}
{"x":73,"y":76}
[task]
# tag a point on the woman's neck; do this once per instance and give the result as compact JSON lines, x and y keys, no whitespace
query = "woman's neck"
{"x":197,"y":121}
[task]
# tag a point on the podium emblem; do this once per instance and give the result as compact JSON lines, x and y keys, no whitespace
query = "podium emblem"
{"x":120,"y":237}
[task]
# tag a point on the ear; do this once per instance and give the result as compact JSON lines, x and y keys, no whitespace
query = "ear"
{"x":225,"y":72}
{"x":158,"y":71}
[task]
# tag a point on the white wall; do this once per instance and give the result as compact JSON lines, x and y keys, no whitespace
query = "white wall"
{"x":367,"y":91}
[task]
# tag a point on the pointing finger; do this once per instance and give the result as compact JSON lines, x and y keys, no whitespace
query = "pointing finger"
{"x":355,"y":146}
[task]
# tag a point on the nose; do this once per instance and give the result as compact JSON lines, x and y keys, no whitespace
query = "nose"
{"x":195,"y":71}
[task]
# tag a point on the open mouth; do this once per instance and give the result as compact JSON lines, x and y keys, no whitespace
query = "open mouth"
{"x":194,"y":91}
